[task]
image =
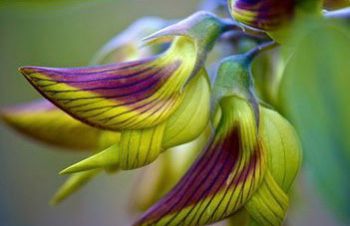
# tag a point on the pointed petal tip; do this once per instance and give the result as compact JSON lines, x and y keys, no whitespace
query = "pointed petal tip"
{"x":27,"y":70}
{"x":54,"y":202}
{"x":180,"y":28}
{"x":69,"y":170}
{"x":103,"y":159}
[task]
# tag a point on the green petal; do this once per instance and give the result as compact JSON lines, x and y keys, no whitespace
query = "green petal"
{"x":137,"y":94}
{"x":269,"y":204}
{"x":140,"y":147}
{"x":192,"y":116}
{"x":73,"y":184}
{"x":108,"y":158}
{"x":223,"y":179}
{"x":44,"y":122}
{"x":158,"y":178}
{"x":131,"y":95}
{"x":283,"y":147}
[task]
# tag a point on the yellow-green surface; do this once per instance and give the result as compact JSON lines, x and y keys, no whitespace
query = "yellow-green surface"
{"x":64,"y":35}
{"x":60,"y":35}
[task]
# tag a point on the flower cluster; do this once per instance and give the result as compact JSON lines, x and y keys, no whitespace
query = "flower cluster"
{"x":219,"y":150}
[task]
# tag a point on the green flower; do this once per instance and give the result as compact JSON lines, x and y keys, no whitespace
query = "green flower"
{"x":247,"y":168}
{"x":273,"y":16}
{"x":134,"y":110}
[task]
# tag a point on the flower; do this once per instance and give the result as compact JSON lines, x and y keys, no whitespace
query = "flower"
{"x":47,"y":117}
{"x":158,"y":178}
{"x":244,"y":167}
{"x":144,"y":99}
{"x":275,"y":17}
{"x":46,"y":123}
{"x":262,"y":14}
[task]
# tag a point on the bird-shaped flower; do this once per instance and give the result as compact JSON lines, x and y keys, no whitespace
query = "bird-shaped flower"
{"x":247,"y":167}
{"x":274,"y":17}
{"x":134,"y":110}
{"x":148,"y":105}
{"x":44,"y":122}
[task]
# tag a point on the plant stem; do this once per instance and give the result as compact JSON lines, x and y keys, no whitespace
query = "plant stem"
{"x":251,"y":54}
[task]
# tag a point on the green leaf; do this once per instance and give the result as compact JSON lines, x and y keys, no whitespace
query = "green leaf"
{"x":315,"y":96}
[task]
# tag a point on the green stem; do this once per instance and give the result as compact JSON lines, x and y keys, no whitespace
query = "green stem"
{"x":250,"y":55}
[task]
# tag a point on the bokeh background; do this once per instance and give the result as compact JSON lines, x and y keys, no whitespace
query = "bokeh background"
{"x":65,"y":34}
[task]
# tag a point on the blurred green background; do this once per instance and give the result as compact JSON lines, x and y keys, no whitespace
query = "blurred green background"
{"x":63,"y":35}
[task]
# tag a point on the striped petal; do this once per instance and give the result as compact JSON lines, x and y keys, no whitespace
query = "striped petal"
{"x":222,"y":180}
{"x":158,"y":178}
{"x":44,"y":122}
{"x":262,"y":14}
{"x":129,"y":95}
{"x":132,"y":95}
{"x":142,"y":146}
{"x":269,"y":204}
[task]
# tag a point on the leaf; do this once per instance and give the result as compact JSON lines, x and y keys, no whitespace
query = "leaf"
{"x":315,"y":96}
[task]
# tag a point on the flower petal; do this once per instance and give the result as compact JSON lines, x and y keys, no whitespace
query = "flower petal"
{"x":44,"y":122}
{"x":262,"y":14}
{"x":130,"y":95}
{"x":108,"y":158}
{"x":269,"y":204}
{"x":140,"y":147}
{"x":158,"y":178}
{"x":73,"y":184}
{"x":283,"y":147}
{"x":137,"y":94}
{"x":192,"y":116}
{"x":222,"y":179}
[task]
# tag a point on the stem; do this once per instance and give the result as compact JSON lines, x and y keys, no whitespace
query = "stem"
{"x":259,"y":49}
{"x":338,"y":14}
{"x":233,"y":25}
{"x":234,"y":36}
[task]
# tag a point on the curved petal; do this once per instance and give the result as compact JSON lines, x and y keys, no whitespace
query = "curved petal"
{"x":262,"y":14}
{"x":73,"y":184}
{"x":269,"y":204}
{"x":158,"y":178}
{"x":44,"y":122}
{"x":283,"y":147}
{"x":142,"y":146}
{"x":192,"y":116}
{"x":222,"y":180}
{"x":130,"y":95}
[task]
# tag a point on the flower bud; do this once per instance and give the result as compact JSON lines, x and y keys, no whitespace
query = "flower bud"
{"x":262,"y":14}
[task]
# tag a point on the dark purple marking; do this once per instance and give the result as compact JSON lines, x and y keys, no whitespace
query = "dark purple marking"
{"x":269,"y":13}
{"x":118,"y":83}
{"x":206,"y":177}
